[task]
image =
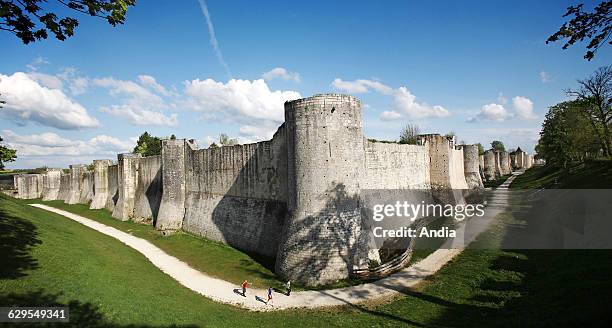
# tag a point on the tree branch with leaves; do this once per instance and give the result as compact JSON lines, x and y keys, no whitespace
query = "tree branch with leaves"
{"x":6,"y":154}
{"x":593,"y":26}
{"x":29,"y":21}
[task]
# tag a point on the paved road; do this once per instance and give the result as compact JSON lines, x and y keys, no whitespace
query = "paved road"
{"x":225,"y":292}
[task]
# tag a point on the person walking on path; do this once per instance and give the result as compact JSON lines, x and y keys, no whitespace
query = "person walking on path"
{"x":245,"y":284}
{"x":270,"y":301}
{"x":288,"y":286}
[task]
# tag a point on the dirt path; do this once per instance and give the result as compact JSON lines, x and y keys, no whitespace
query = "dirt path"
{"x":225,"y":292}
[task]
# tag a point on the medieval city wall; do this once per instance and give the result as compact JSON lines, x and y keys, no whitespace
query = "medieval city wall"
{"x":64,"y":189}
{"x":77,"y":173}
{"x":29,"y":186}
{"x":395,"y":166}
{"x":51,"y":184}
{"x":471,"y":166}
{"x":100,"y":175}
{"x":113,"y":187}
{"x":87,"y":187}
{"x":505,"y":163}
{"x":147,"y":195}
{"x":127,"y":177}
{"x":237,"y":194}
{"x":296,"y":197}
{"x":489,"y":165}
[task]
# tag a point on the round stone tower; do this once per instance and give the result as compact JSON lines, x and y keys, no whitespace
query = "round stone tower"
{"x":323,"y":240}
{"x":471,"y":166}
{"x":489,"y":165}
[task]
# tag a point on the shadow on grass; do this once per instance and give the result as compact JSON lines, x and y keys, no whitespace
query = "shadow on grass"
{"x":81,"y":314}
{"x":17,"y":238}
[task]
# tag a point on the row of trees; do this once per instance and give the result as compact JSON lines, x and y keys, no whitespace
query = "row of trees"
{"x":149,"y":145}
{"x":580,"y":128}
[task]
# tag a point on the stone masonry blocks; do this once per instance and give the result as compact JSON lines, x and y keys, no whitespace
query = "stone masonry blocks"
{"x":126,"y":185}
{"x":100,"y":176}
{"x":77,"y":173}
{"x":471,"y":163}
{"x":172,"y":206}
{"x":51,"y":184}
{"x":322,"y":240}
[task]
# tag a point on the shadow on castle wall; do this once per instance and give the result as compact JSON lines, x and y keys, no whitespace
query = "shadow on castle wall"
{"x":148,"y":193}
{"x":249,"y":213}
{"x":329,"y":242}
{"x":153,"y":195}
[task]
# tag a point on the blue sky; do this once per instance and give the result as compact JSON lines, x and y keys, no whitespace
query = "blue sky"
{"x":478,"y":68}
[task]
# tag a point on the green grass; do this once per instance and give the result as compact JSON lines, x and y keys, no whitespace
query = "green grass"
{"x":48,"y":259}
{"x":596,"y":174}
{"x":213,"y":258}
{"x":497,"y":182}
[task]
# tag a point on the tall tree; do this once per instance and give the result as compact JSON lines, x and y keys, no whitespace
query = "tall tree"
{"x":498,"y":145}
{"x":148,"y":145}
{"x":594,"y":26}
{"x":480,"y":149}
{"x":409,"y":134}
{"x":29,"y":21}
{"x":6,"y":154}
{"x":595,"y":97}
{"x":566,"y":135}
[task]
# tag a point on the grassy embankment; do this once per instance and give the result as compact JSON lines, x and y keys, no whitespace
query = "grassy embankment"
{"x":497,"y":182}
{"x":48,"y":259}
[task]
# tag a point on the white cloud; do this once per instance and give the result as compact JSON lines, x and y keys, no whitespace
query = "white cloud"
{"x":406,"y":102}
{"x":238,"y":100}
{"x":140,"y":103}
{"x":390,"y":115}
{"x":361,"y":86}
{"x":78,"y":85}
{"x":403,"y":103}
{"x":46,"y":80}
{"x":252,"y":133}
{"x":281,"y":73}
{"x":141,"y":116}
{"x":50,"y":145}
{"x":38,"y":61}
{"x":26,"y":100}
{"x":46,"y":139}
{"x":149,"y":81}
{"x":492,"y":112}
{"x":544,"y":77}
{"x":523,"y":108}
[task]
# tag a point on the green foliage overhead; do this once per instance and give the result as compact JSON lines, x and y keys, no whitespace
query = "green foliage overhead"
{"x":148,"y":145}
{"x":593,"y":26}
{"x":32,"y":20}
{"x":498,"y":145}
{"x":6,"y":154}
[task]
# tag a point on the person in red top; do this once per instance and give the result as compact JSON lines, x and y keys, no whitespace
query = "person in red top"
{"x":245,"y":284}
